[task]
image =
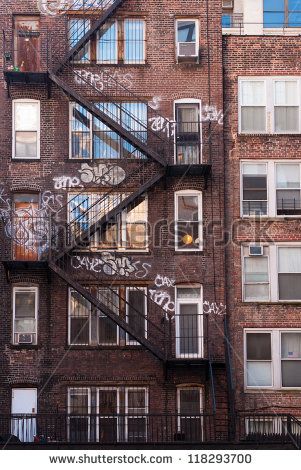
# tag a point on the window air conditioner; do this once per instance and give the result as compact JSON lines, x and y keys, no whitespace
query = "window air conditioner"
{"x":227,"y":3}
{"x":255,"y":250}
{"x":187,"y":49}
{"x":25,"y":338}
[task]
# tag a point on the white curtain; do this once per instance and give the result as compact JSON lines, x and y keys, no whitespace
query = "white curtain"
{"x":288,"y":176}
{"x":289,"y":260}
{"x":253,"y":169}
{"x":290,"y":345}
{"x":253,"y":93}
{"x":286,"y":93}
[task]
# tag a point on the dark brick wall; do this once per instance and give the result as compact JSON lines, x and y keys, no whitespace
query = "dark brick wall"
{"x":50,"y":365}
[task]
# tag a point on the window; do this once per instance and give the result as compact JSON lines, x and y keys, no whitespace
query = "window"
{"x":190,"y":408}
{"x":187,"y":38}
{"x":129,"y":229}
{"x":253,"y":106}
{"x":256,"y":276}
{"x":189,"y":322}
{"x":289,"y":273}
{"x":269,"y":105}
{"x":273,"y":358}
{"x":188,"y":133}
{"x":76,"y":31}
{"x":282,"y":13}
{"x":136,"y":312}
{"x":117,"y":414}
{"x":271,"y":188}
{"x":274,"y":276}
{"x":26,"y":129}
{"x":92,"y":139}
{"x":27,"y":43}
{"x":254,"y":181}
{"x":188,"y":220}
{"x":89,"y":326}
{"x":25,"y":314}
{"x":121,"y":41}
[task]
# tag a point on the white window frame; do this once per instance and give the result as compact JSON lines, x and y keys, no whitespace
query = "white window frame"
{"x":81,"y":389}
{"x":101,"y":315}
{"x":98,"y":427}
{"x":201,"y":395}
{"x":187,"y":101}
{"x":133,"y":342}
{"x":273,"y":272}
{"x":276,"y":359}
{"x":199,"y":194}
{"x":70,"y":290}
{"x":145,"y":416}
{"x":197,"y":36}
{"x":243,"y":257}
{"x":269,"y":85}
{"x":137,"y":62}
{"x":38,"y":130}
{"x":199,"y":303}
{"x":36,"y":292}
{"x":271,"y":187}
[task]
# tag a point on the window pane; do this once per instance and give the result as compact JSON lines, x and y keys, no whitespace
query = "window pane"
{"x":291,"y":373}
{"x":190,"y":401}
{"x":107,"y":43}
{"x":286,"y":93}
{"x":107,"y":329}
{"x":259,"y":346}
{"x":107,"y":402}
{"x":254,"y":169}
{"x":256,"y":269}
{"x":79,"y":333}
{"x":189,"y":334}
{"x":294,"y":20}
{"x":134,"y":41}
{"x":273,"y":20}
{"x":289,"y":286}
{"x":26,"y":325}
{"x":274,"y":5}
{"x":259,"y":374}
{"x":288,"y":202}
{"x":136,"y":401}
{"x":253,"y":93}
{"x":136,"y":312}
{"x":77,"y":29}
{"x":186,"y":31}
{"x":26,"y":116}
{"x":291,"y":345}
{"x":253,"y":119}
{"x":25,"y":304}
{"x":188,"y":293}
{"x":288,"y":176}
{"x":188,"y":207}
{"x":106,"y":143}
{"x":294,"y":4}
{"x":289,"y":260}
{"x":256,"y":292}
{"x":286,"y":119}
{"x":26,"y":145}
{"x":79,"y":401}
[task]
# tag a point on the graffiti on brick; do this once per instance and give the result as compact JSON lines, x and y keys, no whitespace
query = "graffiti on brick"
{"x":214,"y":308}
{"x":111,"y":264}
{"x":211,"y":114}
{"x":161,"y":281}
{"x":163,"y":299}
{"x":103,"y":80}
{"x":164,"y":125}
{"x":103,"y":174}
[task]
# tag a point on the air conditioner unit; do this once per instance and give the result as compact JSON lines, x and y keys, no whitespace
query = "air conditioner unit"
{"x":25,"y":338}
{"x":255,"y":250}
{"x":228,"y":3}
{"x":187,"y":49}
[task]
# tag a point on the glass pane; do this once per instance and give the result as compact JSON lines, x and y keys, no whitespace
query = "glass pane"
{"x":188,"y":235}
{"x":255,"y":188}
{"x":77,"y":29}
{"x":294,"y":19}
{"x":136,"y":312}
{"x":273,"y":20}
{"x":79,"y":333}
{"x":286,"y":93}
{"x":136,"y":401}
{"x":254,"y":169}
{"x":291,"y":345}
{"x":107,"y":43}
{"x":26,"y":145}
{"x":26,"y":116}
{"x":294,"y":4}
{"x":134,"y":41}
{"x":26,"y":325}
{"x":189,"y":333}
{"x":259,"y":346}
{"x":286,"y":119}
{"x":186,"y":31}
{"x":188,"y":293}
{"x":259,"y":374}
{"x":274,"y":5}
{"x":107,"y":402}
{"x":253,"y":119}
{"x":256,"y":269}
{"x":190,"y":401}
{"x":291,"y":373}
{"x":188,"y":208}
{"x":136,"y":429}
{"x":289,"y":260}
{"x":256,"y":292}
{"x":79,"y":401}
{"x":25,"y":304}
{"x":289,"y":286}
{"x":79,"y":306}
{"x":253,"y":93}
{"x":288,"y":176}
{"x":288,"y":202}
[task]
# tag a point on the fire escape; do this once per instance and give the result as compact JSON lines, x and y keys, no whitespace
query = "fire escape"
{"x":155,"y":147}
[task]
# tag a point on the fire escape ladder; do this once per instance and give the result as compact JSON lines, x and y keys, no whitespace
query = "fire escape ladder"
{"x":104,"y":10}
{"x":141,"y":331}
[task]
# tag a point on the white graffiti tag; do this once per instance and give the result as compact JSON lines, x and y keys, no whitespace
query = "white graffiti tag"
{"x":161,"y":124}
{"x":102,"y":174}
{"x":110,"y":264}
{"x":214,"y":308}
{"x":161,"y":281}
{"x":162,"y":299}
{"x":103,"y":80}
{"x":211,"y":114}
{"x":155,"y":103}
{"x":66,"y":182}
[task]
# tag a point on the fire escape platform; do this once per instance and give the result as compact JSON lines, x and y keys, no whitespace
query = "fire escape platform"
{"x":27,"y":78}
{"x":189,"y":170}
{"x":21,"y":265}
{"x":186,"y":362}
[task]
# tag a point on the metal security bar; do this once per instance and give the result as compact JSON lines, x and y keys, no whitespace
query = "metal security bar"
{"x":133,"y":428}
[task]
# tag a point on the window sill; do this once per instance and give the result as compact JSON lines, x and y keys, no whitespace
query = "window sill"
{"x":113,"y":65}
{"x":297,"y":303}
{"x":25,"y":160}
{"x":25,"y":346}
{"x":268,"y":135}
{"x":115,"y":347}
{"x":271,"y":218}
{"x":272,"y":389}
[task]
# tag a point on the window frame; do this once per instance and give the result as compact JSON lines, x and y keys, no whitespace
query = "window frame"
{"x":178,"y":406}
{"x":188,"y":101}
{"x":285,"y":25}
{"x":70,"y":290}
{"x":34,"y":289}
{"x":243,"y":257}
{"x":276,"y":357}
{"x":128,"y":340}
{"x":14,"y":130}
{"x":200,"y":321}
{"x":278,"y":272}
{"x":269,"y":89}
{"x":197,"y":37}
{"x":199,"y":195}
